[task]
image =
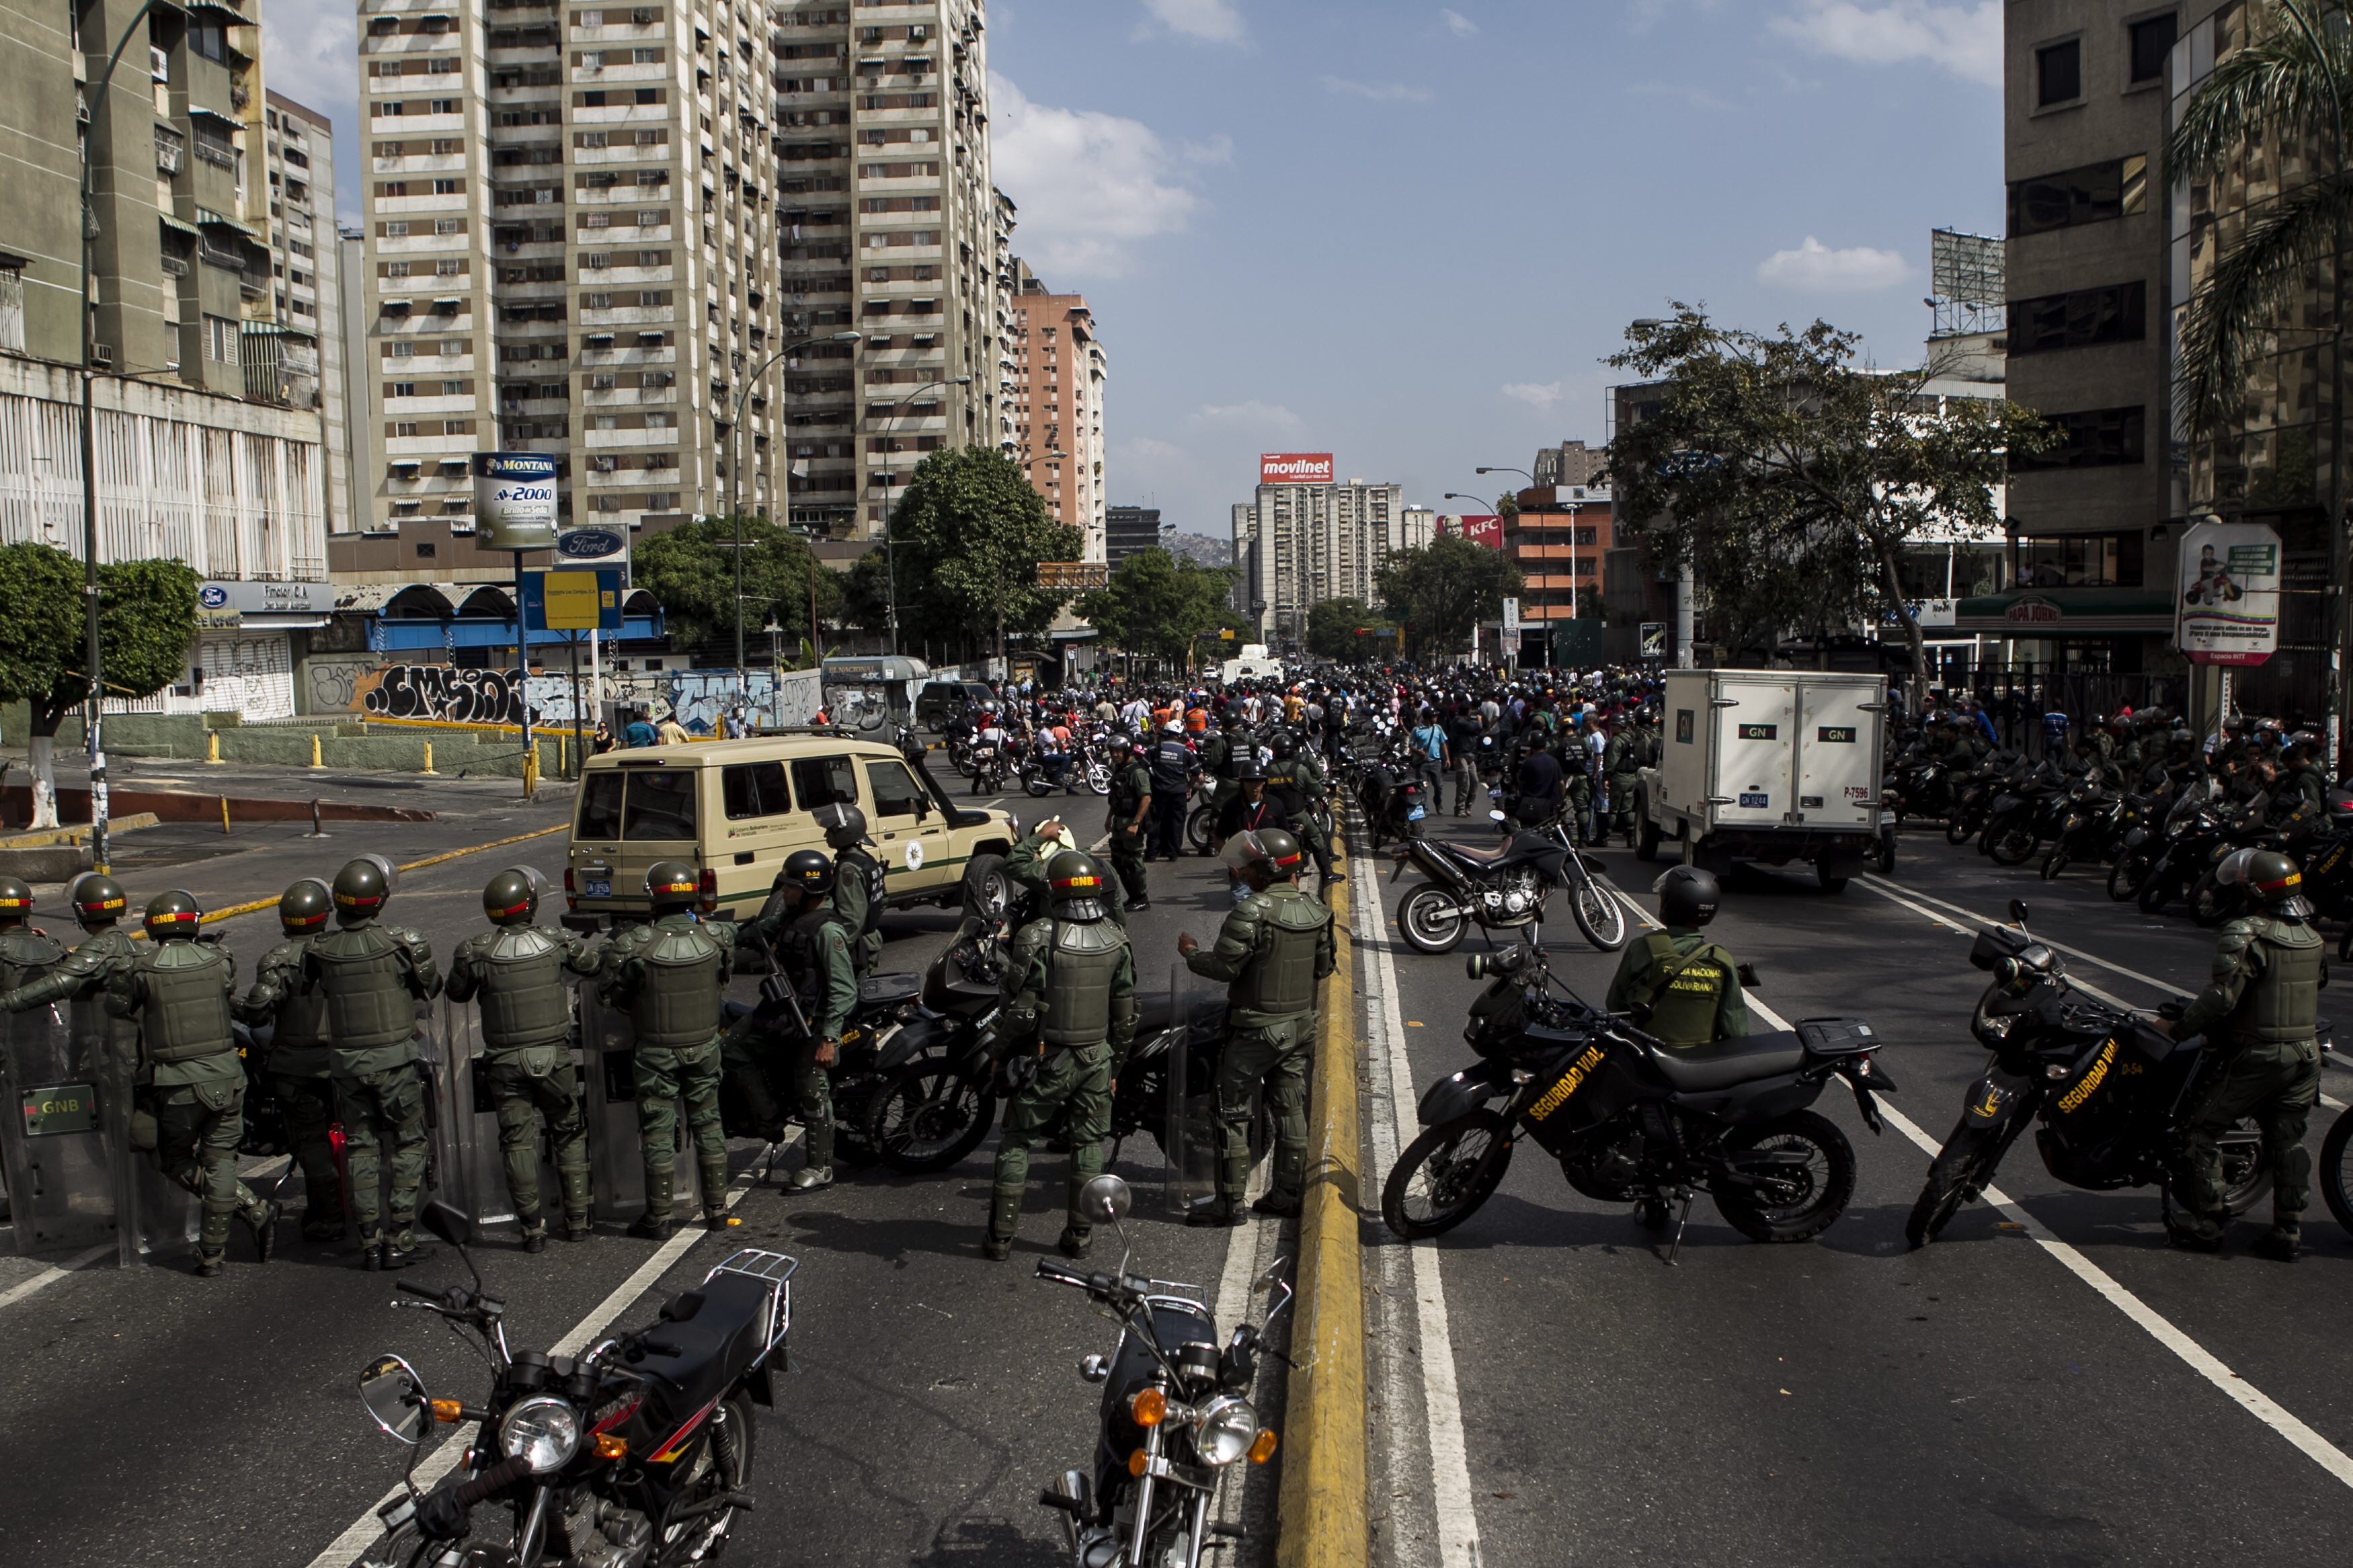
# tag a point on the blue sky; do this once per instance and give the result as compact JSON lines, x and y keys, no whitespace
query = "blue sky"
{"x":1406,"y":233}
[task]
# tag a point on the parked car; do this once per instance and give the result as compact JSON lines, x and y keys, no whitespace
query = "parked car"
{"x":943,"y":699}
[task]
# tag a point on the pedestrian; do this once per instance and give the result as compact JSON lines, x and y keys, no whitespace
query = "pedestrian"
{"x":1070,"y":1015}
{"x":1175,"y":770}
{"x":670,"y":733}
{"x":603,"y":740}
{"x":302,"y":1063}
{"x":1434,"y":755}
{"x":813,"y":950}
{"x":638,"y":733}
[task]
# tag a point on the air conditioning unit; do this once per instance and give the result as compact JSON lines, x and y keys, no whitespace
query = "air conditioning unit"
{"x":101,"y":354}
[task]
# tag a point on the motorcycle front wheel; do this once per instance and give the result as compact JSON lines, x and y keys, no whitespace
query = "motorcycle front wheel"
{"x":2125,"y":877}
{"x":1432,"y":921}
{"x":1957,"y":1175}
{"x":2011,"y":845}
{"x":2055,"y":862}
{"x":1036,"y":783}
{"x":1445,"y":1175}
{"x":2335,"y":1180}
{"x":1099,"y":777}
{"x":2155,"y":892}
{"x":2209,"y":905}
{"x":1809,"y":1198}
{"x":1957,"y":830}
{"x":1601,"y":918}
{"x":1197,"y":829}
{"x":928,"y":1116}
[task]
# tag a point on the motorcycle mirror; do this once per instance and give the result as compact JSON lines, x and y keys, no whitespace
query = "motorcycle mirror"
{"x":1496,"y":817}
{"x":394,"y":1398}
{"x":1270,"y":1279}
{"x":1106,"y":1197}
{"x":449,"y":1223}
{"x":2018,"y":913}
{"x":1747,"y":973}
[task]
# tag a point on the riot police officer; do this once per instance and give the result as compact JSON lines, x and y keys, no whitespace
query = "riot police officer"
{"x":1130,"y":803}
{"x":98,"y":904}
{"x":373,"y":976}
{"x":1296,"y":780}
{"x":1682,"y":988}
{"x":858,"y":889}
{"x":27,"y":952}
{"x":1026,"y":862}
{"x":812,"y":948}
{"x":1271,"y":952}
{"x":301,"y":1058}
{"x":1070,"y":1015}
{"x":178,"y":992}
{"x":1619,"y":759}
{"x":667,"y":976}
{"x":517,"y":973}
{"x":2260,"y":1011}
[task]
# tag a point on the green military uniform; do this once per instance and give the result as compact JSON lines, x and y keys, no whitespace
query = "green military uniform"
{"x":857,"y":899}
{"x":300,"y":1076}
{"x":2308,"y":790}
{"x":26,"y":955}
{"x":1619,"y":759}
{"x":178,"y":992}
{"x":371,"y":976}
{"x":80,"y":977}
{"x":667,"y":976}
{"x":519,"y":976}
{"x":1682,"y":989}
{"x":1131,"y":787}
{"x":2260,"y":1010}
{"x":813,"y":947}
{"x":1220,"y":759}
{"x":1301,"y":775}
{"x":1069,"y":996}
{"x":1271,"y":951}
{"x":1025,"y":863}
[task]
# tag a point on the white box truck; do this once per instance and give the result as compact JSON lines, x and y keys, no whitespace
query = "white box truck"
{"x":1773,"y":766}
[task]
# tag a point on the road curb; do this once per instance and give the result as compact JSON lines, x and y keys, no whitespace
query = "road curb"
{"x":1320,"y":1508}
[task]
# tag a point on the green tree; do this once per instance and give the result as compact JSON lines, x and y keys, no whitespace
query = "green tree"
{"x":691,"y":570}
{"x":1332,"y":625}
{"x":1439,"y":592}
{"x":866,"y":592}
{"x":1793,"y":478}
{"x":1156,"y":604}
{"x":146,"y":621}
{"x":971,"y":531}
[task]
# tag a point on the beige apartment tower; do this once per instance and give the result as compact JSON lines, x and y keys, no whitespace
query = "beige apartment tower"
{"x":1058,"y":373}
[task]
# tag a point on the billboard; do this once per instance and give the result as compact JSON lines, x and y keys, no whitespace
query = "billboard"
{"x":2227,"y":590}
{"x":514,"y":499}
{"x":1294,"y":467}
{"x":1487,"y":530}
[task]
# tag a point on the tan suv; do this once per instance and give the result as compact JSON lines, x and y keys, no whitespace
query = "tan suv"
{"x":734,"y":809}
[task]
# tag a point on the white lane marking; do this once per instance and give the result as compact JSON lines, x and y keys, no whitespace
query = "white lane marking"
{"x":2201,"y":1361}
{"x":1450,"y":1465}
{"x":346,"y":1549}
{"x":52,"y":1273}
{"x":1890,"y":889}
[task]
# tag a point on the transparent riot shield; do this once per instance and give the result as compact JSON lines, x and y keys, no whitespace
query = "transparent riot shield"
{"x":476,"y":1181}
{"x":1190,"y":1134}
{"x":616,"y":1166}
{"x":55,"y":1136}
{"x":444,"y":1165}
{"x":154,"y":1216}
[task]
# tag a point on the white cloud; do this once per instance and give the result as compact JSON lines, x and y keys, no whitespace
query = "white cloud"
{"x":1815,"y":267}
{"x":1091,"y":186}
{"x":1378,"y":91}
{"x":1218,"y":149}
{"x":1214,"y":20}
{"x":1461,"y":26}
{"x":1963,"y":40}
{"x":314,"y":56}
{"x":1536,"y":395}
{"x":1271,"y":417}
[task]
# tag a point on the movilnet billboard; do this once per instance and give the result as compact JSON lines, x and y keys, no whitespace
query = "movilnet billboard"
{"x":1294,"y":467}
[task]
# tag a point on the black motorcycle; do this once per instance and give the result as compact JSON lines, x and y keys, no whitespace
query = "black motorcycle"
{"x":1632,"y":1119}
{"x":2192,"y":837}
{"x":1502,"y":889}
{"x":1973,"y":796}
{"x":1395,"y":803}
{"x":2108,"y":1094}
{"x":2025,"y":812}
{"x":638,"y":1452}
{"x":1176,"y":1412}
{"x":2098,"y":822}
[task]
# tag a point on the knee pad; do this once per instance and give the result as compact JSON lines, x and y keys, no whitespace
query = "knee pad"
{"x":2295,"y":1168}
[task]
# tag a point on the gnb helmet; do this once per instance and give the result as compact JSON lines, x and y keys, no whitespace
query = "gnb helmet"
{"x":16,"y":899}
{"x":1077,"y":885}
{"x":2267,"y":876}
{"x":672,"y":886}
{"x":1688,"y":896}
{"x":173,"y":914}
{"x":808,"y":870}
{"x":1273,"y":848}
{"x":511,"y":897}
{"x":304,"y":906}
{"x":97,"y":900}
{"x":363,"y":887}
{"x":843,"y":824}
{"x":1248,"y":771}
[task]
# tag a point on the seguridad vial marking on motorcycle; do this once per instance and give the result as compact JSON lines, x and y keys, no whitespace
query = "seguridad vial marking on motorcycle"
{"x":1557,"y":1095}
{"x":2092,"y":1080}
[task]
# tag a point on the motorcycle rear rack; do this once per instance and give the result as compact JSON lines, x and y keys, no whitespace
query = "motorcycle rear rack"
{"x":775,"y":1270}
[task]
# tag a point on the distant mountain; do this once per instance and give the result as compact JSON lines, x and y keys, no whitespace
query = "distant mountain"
{"x":1200,"y":547}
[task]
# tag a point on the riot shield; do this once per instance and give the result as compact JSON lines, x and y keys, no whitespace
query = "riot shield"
{"x":1189,"y":1131}
{"x":616,"y":1166}
{"x":476,"y":1174}
{"x":54,"y":1136}
{"x":153,"y":1214}
{"x":445,"y":1159}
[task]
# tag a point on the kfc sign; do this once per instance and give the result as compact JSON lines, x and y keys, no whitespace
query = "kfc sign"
{"x":1294,"y":467}
{"x":1487,"y":531}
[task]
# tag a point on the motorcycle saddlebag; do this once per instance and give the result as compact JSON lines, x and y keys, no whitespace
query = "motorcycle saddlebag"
{"x":1836,"y":1037}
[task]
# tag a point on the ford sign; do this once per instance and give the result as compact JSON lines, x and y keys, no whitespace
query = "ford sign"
{"x":211,"y":597}
{"x":590,"y":544}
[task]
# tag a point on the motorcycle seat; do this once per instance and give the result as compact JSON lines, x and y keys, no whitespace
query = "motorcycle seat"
{"x":889,"y":989}
{"x":1729,"y":1062}
{"x":707,"y":1337}
{"x":1468,"y":851}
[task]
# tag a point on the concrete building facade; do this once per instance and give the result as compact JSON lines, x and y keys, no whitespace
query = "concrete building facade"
{"x":1059,"y":371}
{"x":1298,"y":545}
{"x":1130,"y":530}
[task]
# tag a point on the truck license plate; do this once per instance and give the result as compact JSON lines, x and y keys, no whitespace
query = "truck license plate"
{"x":1749,"y":798}
{"x":600,"y":888}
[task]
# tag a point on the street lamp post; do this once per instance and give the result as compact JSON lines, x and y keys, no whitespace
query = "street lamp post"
{"x":891,"y":510}
{"x":1572,"y":560}
{"x":734,"y":479}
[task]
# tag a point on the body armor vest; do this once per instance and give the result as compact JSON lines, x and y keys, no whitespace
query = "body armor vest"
{"x":1125,"y":796}
{"x":26,"y":956}
{"x":523,"y":995}
{"x":299,"y":1046}
{"x":678,"y":1005}
{"x":797,"y":946}
{"x":1686,"y":990}
{"x":2283,"y":1002}
{"x":365,"y":976}
{"x":1080,"y":964}
{"x":1281,"y":977}
{"x":186,"y":1015}
{"x":855,"y":862}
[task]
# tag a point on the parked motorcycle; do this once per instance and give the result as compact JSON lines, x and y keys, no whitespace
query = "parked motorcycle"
{"x":2097,"y":823}
{"x":1974,"y":794}
{"x":1176,"y":1417}
{"x":2108,"y":1096}
{"x":1630,"y":1119}
{"x":2191,"y":837}
{"x":1502,"y":889}
{"x":636,"y":1453}
{"x":2027,"y":812}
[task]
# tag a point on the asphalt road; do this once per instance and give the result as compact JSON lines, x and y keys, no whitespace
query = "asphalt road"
{"x":931,"y":1397}
{"x":1848,"y":1401}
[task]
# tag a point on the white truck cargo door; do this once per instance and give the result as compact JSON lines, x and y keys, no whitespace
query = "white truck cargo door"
{"x":1838,"y":754}
{"x":1753,"y":751}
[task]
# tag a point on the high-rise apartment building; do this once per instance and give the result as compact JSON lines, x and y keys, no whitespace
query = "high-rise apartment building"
{"x":1130,"y":530}
{"x":306,"y":278}
{"x":1057,"y":388}
{"x":1300,"y":544}
{"x":1571,"y":463}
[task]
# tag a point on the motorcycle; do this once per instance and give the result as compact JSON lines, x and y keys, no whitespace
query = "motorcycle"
{"x":1176,"y":1415}
{"x":2191,"y":837}
{"x":1974,"y":795}
{"x":2108,"y":1096}
{"x":2097,"y":823}
{"x":1630,"y":1119}
{"x":1502,"y":889}
{"x":2027,"y":812}
{"x":635,"y":1454}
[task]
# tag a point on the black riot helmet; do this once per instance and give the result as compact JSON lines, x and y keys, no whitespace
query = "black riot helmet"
{"x":671,"y":885}
{"x":362,"y":889}
{"x":16,"y":902}
{"x":1688,"y":896}
{"x":97,"y":901}
{"x":173,"y":914}
{"x":1249,"y":771}
{"x":511,"y":898}
{"x":1275,"y":850}
{"x":1076,"y":883}
{"x":809,"y":870}
{"x":2267,"y":876}
{"x":304,"y":906}
{"x":1285,"y":747}
{"x":842,"y":824}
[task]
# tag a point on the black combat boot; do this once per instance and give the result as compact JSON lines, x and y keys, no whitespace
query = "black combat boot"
{"x":2281,"y":1244}
{"x":1280,"y":1204}
{"x":1213,"y":1214}
{"x":264,"y":1223}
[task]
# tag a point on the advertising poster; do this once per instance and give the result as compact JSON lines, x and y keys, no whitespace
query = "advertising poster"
{"x":2227,"y":597}
{"x":1294,"y":467}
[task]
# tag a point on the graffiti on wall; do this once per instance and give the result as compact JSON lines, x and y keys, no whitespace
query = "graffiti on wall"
{"x":436,"y":691}
{"x":698,"y":699}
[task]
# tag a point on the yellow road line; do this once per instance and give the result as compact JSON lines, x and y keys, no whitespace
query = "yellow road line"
{"x":1322,"y":1500}
{"x":257,"y":905}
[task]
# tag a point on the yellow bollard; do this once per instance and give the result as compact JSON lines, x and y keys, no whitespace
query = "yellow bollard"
{"x":428,"y":757}
{"x":223,"y":816}
{"x":563,"y":756}
{"x":212,"y":747}
{"x":314,"y":751}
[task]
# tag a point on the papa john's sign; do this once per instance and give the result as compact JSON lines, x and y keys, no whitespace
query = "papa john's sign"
{"x":1294,"y":467}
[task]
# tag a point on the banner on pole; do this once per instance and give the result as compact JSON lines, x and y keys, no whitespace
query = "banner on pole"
{"x":2228,"y":603}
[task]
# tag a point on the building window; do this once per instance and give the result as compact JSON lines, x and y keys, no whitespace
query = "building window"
{"x":220,"y":340}
{"x":2098,"y":439}
{"x":453,"y":389}
{"x":2059,"y":73}
{"x":453,"y":345}
{"x":443,"y":106}
{"x":2078,"y":561}
{"x":2079,"y":319}
{"x":403,"y":430}
{"x":2092,"y":194}
{"x":400,"y":389}
{"x":2152,"y":40}
{"x":449,"y":226}
{"x":445,"y":187}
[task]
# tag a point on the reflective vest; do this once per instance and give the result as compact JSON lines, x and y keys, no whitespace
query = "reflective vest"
{"x":677,"y":1003}
{"x":185,"y":1015}
{"x":1281,"y":976}
{"x":365,"y":974}
{"x":1081,"y":965}
{"x":524,"y":999}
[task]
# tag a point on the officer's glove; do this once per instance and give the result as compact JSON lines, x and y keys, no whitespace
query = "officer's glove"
{"x":441,"y":1517}
{"x":1021,"y":1071}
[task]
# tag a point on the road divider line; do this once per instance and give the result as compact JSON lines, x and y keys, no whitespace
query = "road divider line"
{"x":51,"y":1273}
{"x":346,"y":1549}
{"x":1456,"y":1516}
{"x":1889,"y":889}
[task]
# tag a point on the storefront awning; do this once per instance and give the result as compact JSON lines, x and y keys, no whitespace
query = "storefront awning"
{"x":2067,"y":612}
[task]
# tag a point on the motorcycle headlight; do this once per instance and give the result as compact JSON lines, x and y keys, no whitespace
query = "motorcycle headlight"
{"x":543,"y":1429}
{"x":1992,"y":1029}
{"x":1224,"y":1430}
